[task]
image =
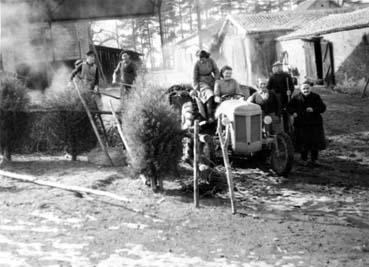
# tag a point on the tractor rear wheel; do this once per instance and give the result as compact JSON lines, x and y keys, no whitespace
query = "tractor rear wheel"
{"x":282,"y":154}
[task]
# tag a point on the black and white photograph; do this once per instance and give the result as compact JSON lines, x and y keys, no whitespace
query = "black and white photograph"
{"x":184,"y":133}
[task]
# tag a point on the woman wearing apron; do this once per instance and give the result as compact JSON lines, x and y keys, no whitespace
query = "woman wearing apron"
{"x":206,"y":73}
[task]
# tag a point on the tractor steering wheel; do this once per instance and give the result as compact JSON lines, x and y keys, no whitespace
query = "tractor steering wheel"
{"x":233,"y":96}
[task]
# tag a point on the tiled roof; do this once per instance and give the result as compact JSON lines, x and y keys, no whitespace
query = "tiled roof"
{"x":277,"y":21}
{"x":208,"y":30}
{"x":309,"y":3}
{"x":332,"y":23}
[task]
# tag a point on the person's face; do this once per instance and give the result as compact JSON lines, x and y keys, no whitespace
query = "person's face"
{"x":262,"y":87}
{"x":305,"y":89}
{"x":279,"y":68}
{"x":90,"y":59}
{"x":227,"y":74}
{"x":125,"y":57}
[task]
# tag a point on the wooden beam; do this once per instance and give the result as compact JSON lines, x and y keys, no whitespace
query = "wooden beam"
{"x":103,"y":148}
{"x":73,"y":188}
{"x":196,"y":163}
{"x":224,"y":145}
{"x":120,"y":131}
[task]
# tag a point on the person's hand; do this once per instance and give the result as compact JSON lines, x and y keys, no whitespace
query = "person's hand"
{"x":217,"y":99}
{"x":294,"y":115}
{"x":288,"y":92}
{"x":70,"y":84}
{"x":309,"y":109}
{"x":96,"y":89}
{"x":193,"y":93}
{"x":114,"y":81}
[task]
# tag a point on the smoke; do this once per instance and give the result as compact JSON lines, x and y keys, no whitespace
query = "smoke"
{"x":35,"y":49}
{"x":60,"y":79}
{"x":21,"y":35}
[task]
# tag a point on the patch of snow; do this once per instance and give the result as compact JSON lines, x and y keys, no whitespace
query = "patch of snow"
{"x":9,"y":259}
{"x":18,"y":228}
{"x":137,"y":226}
{"x":48,"y":216}
{"x":136,"y":255}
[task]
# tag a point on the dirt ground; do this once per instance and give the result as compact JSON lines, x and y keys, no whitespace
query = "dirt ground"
{"x":315,"y":217}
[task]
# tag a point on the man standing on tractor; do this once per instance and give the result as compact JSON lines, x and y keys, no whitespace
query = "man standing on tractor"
{"x":87,"y":72}
{"x":282,"y":84}
{"x":126,"y":68}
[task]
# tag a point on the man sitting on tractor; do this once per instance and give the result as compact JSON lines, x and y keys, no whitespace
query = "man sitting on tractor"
{"x":227,"y":86}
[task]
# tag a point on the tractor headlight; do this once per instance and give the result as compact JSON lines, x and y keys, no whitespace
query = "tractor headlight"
{"x":268,"y":120}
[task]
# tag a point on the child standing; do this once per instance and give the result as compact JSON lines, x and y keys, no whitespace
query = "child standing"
{"x":306,"y":108}
{"x":269,"y":104}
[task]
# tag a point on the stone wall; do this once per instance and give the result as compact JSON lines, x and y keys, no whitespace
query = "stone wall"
{"x":350,"y":57}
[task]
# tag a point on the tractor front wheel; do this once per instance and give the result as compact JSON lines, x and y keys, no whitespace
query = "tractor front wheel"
{"x":282,"y":154}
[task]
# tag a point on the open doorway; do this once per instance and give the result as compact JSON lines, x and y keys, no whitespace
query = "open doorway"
{"x":319,"y":61}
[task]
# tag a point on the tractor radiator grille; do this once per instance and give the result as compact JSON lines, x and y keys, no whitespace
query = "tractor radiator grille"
{"x":240,"y":122}
{"x":255,"y":128}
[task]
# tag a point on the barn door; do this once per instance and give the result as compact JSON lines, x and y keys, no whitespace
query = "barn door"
{"x":327,"y":60}
{"x":310,"y":60}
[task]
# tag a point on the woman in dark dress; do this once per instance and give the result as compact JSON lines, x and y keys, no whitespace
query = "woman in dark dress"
{"x":306,"y":108}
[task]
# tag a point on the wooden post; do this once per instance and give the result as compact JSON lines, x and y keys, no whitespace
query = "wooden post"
{"x":227,"y":165}
{"x":366,"y":86}
{"x":120,"y":131}
{"x":103,"y":148}
{"x":196,"y":163}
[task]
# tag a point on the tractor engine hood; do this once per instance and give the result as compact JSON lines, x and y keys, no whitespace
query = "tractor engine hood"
{"x":233,"y":107}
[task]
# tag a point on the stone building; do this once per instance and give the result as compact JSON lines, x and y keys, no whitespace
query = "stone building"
{"x":333,"y":50}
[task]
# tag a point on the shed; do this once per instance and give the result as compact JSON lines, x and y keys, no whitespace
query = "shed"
{"x":333,"y":49}
{"x":185,"y":49}
{"x":249,"y":41}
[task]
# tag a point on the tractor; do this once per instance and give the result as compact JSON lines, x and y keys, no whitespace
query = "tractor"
{"x":250,"y":131}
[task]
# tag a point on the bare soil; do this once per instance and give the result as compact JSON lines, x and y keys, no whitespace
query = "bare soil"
{"x":315,"y":217}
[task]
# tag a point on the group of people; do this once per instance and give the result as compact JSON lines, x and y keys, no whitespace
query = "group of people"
{"x":276,"y":98}
{"x":87,"y":72}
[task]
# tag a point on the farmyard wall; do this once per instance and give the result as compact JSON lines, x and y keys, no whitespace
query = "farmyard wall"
{"x":351,"y":58}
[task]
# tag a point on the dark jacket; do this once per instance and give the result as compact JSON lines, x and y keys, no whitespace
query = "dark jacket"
{"x":206,"y":71}
{"x":309,"y":131}
{"x":281,"y":82}
{"x":128,"y":72}
{"x":299,"y":103}
{"x":269,"y":105}
{"x":88,"y":73}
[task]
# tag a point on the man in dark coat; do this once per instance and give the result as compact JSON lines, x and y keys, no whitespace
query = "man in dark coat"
{"x":282,"y":84}
{"x":306,"y":108}
{"x":88,"y":73}
{"x":126,"y":69}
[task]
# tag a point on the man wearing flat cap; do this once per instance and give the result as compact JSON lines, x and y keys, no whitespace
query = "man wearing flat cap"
{"x":282,"y":84}
{"x":87,"y":71}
